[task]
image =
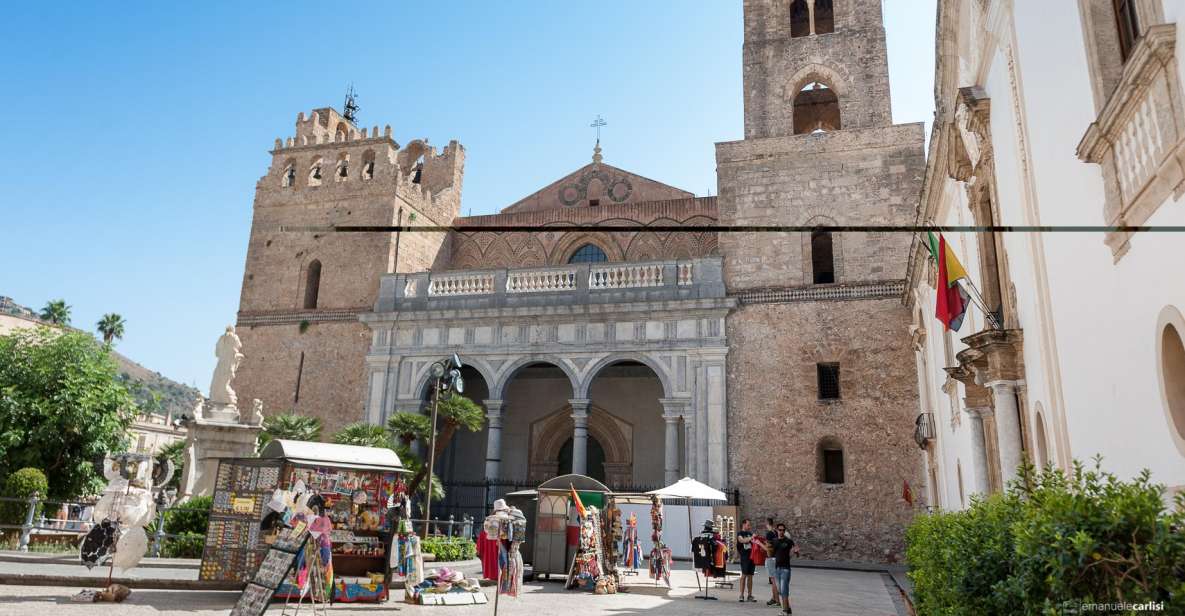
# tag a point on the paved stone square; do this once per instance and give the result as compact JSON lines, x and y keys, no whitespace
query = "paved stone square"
{"x":816,"y":591}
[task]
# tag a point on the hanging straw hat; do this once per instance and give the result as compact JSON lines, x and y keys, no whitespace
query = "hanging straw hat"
{"x":500,"y":505}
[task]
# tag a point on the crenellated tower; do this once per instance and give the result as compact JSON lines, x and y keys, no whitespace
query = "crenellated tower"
{"x":302,"y":291}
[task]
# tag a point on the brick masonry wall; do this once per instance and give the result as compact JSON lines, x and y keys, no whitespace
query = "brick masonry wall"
{"x":482,"y":250}
{"x":331,"y":381}
{"x":776,"y":423}
{"x":848,"y":177}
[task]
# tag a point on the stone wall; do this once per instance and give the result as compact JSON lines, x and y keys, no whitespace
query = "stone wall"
{"x":777,"y":422}
{"x":482,"y":250}
{"x":848,"y":177}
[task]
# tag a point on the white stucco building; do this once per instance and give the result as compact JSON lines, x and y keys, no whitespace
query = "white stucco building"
{"x":1060,"y":114}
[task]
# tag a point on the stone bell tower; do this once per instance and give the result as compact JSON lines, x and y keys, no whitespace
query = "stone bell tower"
{"x":791,"y":45}
{"x":822,"y":413}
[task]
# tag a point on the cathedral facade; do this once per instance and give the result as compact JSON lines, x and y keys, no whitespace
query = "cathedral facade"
{"x":774,"y":364}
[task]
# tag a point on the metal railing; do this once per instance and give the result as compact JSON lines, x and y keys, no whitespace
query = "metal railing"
{"x":73,"y":528}
{"x":452,"y":526}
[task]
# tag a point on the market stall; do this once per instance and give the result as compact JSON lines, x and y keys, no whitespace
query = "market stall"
{"x":352,"y":490}
{"x":555,"y":540}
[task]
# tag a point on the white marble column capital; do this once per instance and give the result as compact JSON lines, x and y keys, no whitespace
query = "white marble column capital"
{"x":579,"y":406}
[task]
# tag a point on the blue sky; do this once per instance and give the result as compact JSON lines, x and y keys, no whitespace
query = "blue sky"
{"x":137,"y":133}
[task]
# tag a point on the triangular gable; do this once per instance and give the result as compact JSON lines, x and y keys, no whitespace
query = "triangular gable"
{"x":597,"y":184}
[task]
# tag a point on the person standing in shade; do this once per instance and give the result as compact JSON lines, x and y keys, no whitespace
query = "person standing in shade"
{"x":784,"y":547}
{"x":771,"y":536}
{"x":744,"y":547}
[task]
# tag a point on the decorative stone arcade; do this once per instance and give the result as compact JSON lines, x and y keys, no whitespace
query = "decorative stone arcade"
{"x":579,"y":318}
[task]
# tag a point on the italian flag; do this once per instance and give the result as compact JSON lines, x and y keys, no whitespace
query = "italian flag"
{"x":952,"y":299}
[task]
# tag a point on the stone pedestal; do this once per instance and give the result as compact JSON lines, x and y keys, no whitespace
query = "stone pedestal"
{"x":208,"y":440}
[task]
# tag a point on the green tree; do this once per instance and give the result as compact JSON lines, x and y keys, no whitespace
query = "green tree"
{"x":56,"y":312}
{"x":364,"y":435}
{"x":111,"y":326}
{"x":174,"y":451}
{"x":454,"y":413}
{"x":407,"y":427}
{"x":22,"y":484}
{"x":290,"y":427}
{"x":62,"y":406}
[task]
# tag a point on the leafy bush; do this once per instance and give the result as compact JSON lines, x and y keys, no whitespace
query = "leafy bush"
{"x":22,"y":484}
{"x":449,"y":549}
{"x":186,"y":545}
{"x":1050,"y":545}
{"x":192,"y":516}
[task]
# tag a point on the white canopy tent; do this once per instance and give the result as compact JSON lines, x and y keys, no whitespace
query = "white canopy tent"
{"x":690,"y":489}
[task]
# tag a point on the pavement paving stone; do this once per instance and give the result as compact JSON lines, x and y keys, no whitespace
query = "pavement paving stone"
{"x":815,"y":591}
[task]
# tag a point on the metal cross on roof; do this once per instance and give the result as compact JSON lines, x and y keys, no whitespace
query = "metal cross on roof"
{"x":597,"y":124}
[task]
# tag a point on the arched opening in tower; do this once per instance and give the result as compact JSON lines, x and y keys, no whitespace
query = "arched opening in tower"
{"x":816,"y":109}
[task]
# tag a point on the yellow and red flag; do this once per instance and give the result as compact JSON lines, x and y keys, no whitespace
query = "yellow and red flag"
{"x":952,"y":299}
{"x":576,"y":501}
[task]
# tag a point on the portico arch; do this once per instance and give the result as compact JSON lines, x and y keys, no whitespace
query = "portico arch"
{"x":590,"y":374}
{"x":549,"y":434}
{"x":498,"y":390}
{"x":424,"y":373}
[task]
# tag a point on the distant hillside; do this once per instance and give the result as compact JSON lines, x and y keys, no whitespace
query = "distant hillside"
{"x":174,"y":398}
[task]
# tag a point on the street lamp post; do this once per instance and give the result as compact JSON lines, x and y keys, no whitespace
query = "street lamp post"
{"x":446,"y":375}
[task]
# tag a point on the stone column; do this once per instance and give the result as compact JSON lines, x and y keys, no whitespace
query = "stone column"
{"x":979,"y":451}
{"x":689,"y":443}
{"x":673,"y":409}
{"x":1007,"y":428}
{"x":580,"y":435}
{"x":494,"y":438}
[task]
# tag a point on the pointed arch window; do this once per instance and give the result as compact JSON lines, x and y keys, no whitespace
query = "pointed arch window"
{"x":289,"y":178}
{"x":588,"y":253}
{"x":824,"y":17}
{"x":816,"y":109}
{"x":312,"y":285}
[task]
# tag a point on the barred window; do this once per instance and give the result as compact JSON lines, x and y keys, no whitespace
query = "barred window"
{"x":828,"y":381}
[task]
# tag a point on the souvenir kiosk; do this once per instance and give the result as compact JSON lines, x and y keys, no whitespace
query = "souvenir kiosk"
{"x":355,"y":486}
{"x":555,"y":542}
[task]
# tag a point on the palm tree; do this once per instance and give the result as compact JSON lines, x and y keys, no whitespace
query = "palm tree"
{"x":111,"y":326}
{"x":56,"y":312}
{"x":290,"y":426}
{"x":363,"y":434}
{"x":456,"y":412}
{"x":407,"y":427}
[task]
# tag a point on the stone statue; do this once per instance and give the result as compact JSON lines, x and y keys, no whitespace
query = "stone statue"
{"x":227,"y":352}
{"x":256,"y":412}
{"x":198,"y":403}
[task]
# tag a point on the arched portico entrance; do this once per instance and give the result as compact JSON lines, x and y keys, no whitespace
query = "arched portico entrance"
{"x":609,"y":451}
